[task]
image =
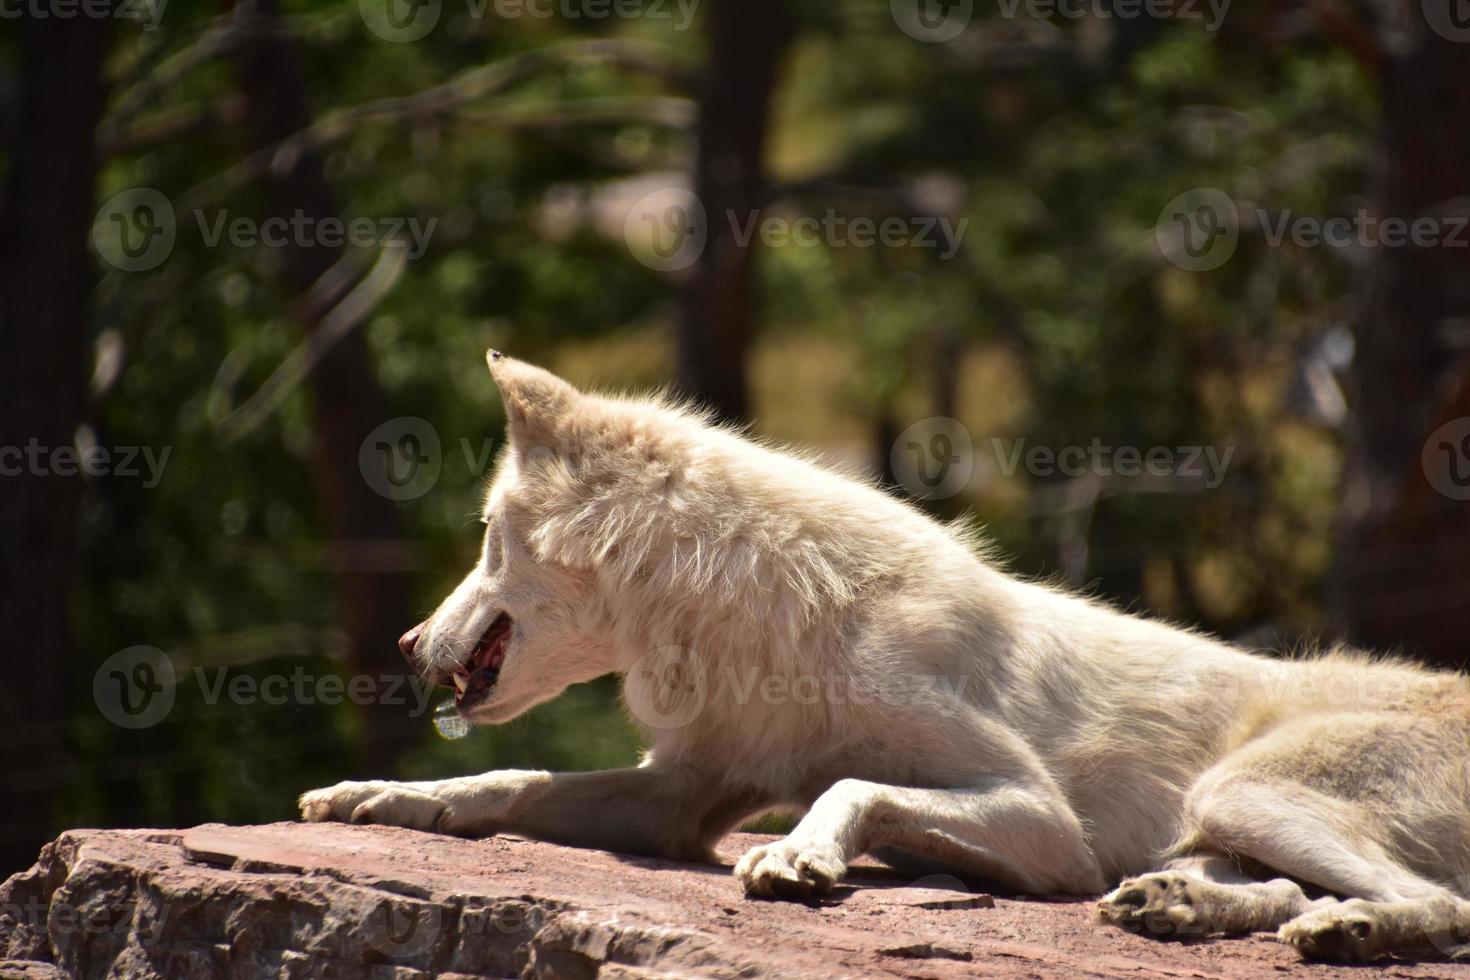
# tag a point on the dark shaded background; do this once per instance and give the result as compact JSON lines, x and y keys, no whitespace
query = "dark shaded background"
{"x":1112,"y":277}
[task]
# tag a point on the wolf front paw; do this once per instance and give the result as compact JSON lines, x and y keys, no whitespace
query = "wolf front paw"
{"x":390,"y":804}
{"x":790,"y":870}
{"x":1165,"y":905}
{"x":1347,"y":932}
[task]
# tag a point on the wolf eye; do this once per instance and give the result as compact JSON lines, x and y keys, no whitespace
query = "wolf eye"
{"x":492,"y":553}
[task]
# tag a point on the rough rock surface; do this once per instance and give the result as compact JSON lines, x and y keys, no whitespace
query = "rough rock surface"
{"x":328,"y":900}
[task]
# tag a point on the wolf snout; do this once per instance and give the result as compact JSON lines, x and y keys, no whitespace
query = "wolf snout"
{"x":409,"y":641}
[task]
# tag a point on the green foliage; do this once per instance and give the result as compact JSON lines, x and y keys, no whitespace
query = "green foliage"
{"x":1058,"y":155}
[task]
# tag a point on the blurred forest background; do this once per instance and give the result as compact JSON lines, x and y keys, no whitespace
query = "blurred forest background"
{"x":530,"y":135}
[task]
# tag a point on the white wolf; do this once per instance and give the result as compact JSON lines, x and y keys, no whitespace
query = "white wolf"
{"x":796,"y":639}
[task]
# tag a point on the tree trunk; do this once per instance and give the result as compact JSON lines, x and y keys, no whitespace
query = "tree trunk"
{"x":1403,"y":576}
{"x":365,"y":527}
{"x":746,"y":43}
{"x":46,"y":278}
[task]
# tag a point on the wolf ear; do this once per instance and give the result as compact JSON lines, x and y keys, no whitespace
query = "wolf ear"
{"x":537,"y":403}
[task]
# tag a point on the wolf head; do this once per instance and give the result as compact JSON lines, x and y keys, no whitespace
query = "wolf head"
{"x":523,"y":625}
{"x":623,"y":528}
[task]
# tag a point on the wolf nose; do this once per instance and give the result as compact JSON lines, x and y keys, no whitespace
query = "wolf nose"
{"x":409,"y":640}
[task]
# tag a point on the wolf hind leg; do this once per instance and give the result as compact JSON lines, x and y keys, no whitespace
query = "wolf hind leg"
{"x":1200,"y":895}
{"x":1312,"y":802}
{"x":1358,"y":930}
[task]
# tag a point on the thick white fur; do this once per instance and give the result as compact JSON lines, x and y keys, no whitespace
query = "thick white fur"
{"x":794,"y":638}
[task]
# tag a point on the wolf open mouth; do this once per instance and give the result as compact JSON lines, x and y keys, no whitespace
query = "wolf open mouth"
{"x":474,"y":680}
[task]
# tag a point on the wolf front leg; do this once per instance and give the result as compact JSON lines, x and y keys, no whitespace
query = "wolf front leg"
{"x":1012,"y":833}
{"x":669,"y":812}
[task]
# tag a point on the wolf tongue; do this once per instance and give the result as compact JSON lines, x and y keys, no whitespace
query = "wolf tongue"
{"x":488,"y":657}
